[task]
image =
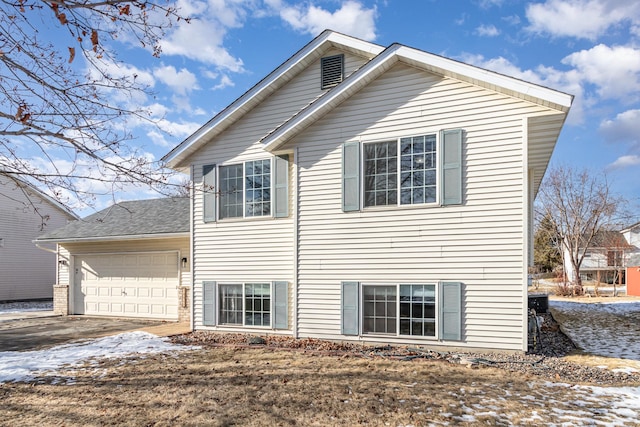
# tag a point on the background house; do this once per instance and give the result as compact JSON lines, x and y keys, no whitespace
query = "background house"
{"x":26,"y":272}
{"x":632,"y":236}
{"x":130,"y":260}
{"x":372,"y":194}
{"x":610,"y":257}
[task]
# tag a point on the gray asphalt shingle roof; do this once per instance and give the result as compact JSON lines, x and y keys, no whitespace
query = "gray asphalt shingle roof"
{"x":132,"y":218}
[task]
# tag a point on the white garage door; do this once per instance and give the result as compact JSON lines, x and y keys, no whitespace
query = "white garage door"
{"x":128,"y":284}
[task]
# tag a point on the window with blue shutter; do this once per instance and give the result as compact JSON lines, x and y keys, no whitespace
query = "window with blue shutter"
{"x":209,"y":303}
{"x":209,"y":193}
{"x":451,"y":175}
{"x":450,"y":311}
{"x":350,"y":314}
{"x":351,"y":176}
{"x":281,"y":186}
{"x":281,"y":305}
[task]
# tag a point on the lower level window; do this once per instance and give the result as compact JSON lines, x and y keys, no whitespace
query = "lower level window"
{"x":245,"y":304}
{"x":413,"y":313}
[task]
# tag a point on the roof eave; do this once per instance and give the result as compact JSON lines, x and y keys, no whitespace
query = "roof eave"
{"x":152,"y":236}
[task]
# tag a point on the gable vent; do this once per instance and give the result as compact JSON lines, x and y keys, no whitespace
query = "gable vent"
{"x":332,"y":70}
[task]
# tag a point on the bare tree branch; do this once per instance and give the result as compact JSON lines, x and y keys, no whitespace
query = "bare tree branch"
{"x":579,"y":205}
{"x":60,"y":123}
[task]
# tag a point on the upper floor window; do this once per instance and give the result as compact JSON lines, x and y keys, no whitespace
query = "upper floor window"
{"x":422,"y":169}
{"x":249,"y":189}
{"x":614,"y":258}
{"x":406,"y":168}
{"x":245,"y":189}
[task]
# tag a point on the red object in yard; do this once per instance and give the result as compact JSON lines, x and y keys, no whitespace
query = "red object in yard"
{"x":633,"y":281}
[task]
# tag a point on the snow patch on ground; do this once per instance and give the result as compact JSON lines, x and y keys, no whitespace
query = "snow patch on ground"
{"x":22,"y":306}
{"x":28,"y":365}
{"x":602,"y":329}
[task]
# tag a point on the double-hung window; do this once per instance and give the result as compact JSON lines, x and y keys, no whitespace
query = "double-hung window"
{"x":256,"y":188}
{"x":402,"y":171}
{"x":245,"y":189}
{"x":415,"y":170}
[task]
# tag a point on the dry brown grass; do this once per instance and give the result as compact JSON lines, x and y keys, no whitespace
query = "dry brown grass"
{"x":260,"y":387}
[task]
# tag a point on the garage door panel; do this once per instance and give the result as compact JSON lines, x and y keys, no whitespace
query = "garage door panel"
{"x":135,"y":285}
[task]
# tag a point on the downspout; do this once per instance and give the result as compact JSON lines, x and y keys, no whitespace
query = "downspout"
{"x":527,"y":193}
{"x":191,"y":245}
{"x":296,"y":244}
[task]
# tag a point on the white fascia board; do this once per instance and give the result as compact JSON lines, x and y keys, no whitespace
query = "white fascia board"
{"x":326,"y":103}
{"x":239,"y":107}
{"x":113,"y":238}
{"x":450,"y":67}
{"x":342,"y":40}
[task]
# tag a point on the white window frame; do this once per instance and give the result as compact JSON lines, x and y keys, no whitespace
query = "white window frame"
{"x":397,"y":140}
{"x":219,"y":205}
{"x":244,"y":305}
{"x":397,"y":332}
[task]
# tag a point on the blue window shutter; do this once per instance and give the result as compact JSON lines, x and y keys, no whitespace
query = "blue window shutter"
{"x":350,"y":312}
{"x":450,"y":310}
{"x":209,"y":193}
{"x":281,"y":179}
{"x":350,"y":176}
{"x":209,"y":303}
{"x":451,"y":186}
{"x":281,"y":305}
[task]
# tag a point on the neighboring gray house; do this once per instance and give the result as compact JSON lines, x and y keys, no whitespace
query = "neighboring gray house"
{"x":26,"y":272}
{"x":131,"y":259}
{"x":374,"y":194}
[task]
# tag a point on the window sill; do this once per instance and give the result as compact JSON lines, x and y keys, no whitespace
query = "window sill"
{"x":398,"y":207}
{"x":380,"y":335}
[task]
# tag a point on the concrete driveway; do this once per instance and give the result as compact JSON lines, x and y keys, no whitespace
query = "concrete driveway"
{"x":33,"y":333}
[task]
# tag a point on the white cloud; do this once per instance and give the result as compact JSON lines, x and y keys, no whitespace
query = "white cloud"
{"x":225,"y":81}
{"x":512,"y":19}
{"x":202,"y":40}
{"x":625,"y":127}
{"x":625,"y":162}
{"x":485,"y":4}
{"x":181,"y":82}
{"x":351,"y":18}
{"x":615,"y":71}
{"x":587,"y":19}
{"x":178,"y":129}
{"x":487,"y":31}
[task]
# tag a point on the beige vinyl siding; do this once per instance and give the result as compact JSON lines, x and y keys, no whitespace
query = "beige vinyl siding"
{"x":240,"y":250}
{"x":26,"y":272}
{"x":479,"y":243}
{"x":180,"y":244}
{"x":63,"y":269}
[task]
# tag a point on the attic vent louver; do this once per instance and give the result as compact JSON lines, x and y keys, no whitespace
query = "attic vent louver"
{"x":332,"y":70}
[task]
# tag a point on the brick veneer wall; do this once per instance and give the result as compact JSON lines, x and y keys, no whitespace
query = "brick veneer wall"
{"x":184,"y":305}
{"x":61,"y":300}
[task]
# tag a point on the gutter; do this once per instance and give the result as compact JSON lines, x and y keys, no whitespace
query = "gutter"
{"x":111,"y":238}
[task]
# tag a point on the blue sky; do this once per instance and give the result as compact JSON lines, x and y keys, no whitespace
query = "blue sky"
{"x":588,"y":48}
